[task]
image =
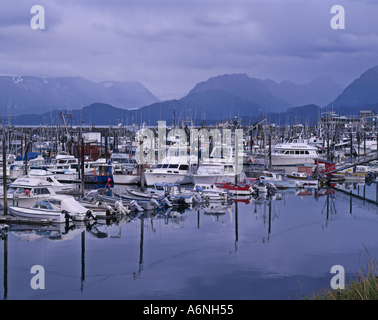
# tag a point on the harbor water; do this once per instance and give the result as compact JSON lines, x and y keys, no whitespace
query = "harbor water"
{"x":254,"y":248}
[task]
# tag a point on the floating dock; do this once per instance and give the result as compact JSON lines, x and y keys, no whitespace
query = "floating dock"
{"x":14,"y":220}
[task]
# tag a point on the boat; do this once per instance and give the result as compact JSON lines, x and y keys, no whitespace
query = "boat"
{"x":9,"y":161}
{"x":26,"y":191}
{"x":175,"y":173}
{"x":104,"y":197}
{"x":235,"y":189}
{"x":298,"y":175}
{"x":210,"y":173}
{"x":173,"y":192}
{"x":65,"y":167}
{"x":126,"y":159}
{"x":210,"y":192}
{"x":295,"y":153}
{"x":136,"y":194}
{"x":49,"y":177}
{"x":58,"y":208}
{"x":17,"y":169}
{"x":277,"y":180}
{"x":101,"y":208}
{"x":125,"y":174}
{"x":102,"y":173}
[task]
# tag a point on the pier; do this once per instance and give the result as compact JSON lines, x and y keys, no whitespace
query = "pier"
{"x":342,"y":166}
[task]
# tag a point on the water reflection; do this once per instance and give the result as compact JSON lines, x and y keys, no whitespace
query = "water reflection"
{"x":168,"y":239}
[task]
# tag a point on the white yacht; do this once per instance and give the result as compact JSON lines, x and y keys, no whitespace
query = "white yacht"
{"x":210,"y":173}
{"x":66,"y":168}
{"x":175,"y":173}
{"x":371,"y":142}
{"x":296,"y":153}
{"x":49,"y":177}
{"x":26,"y":191}
{"x":17,"y":169}
{"x":9,"y":161}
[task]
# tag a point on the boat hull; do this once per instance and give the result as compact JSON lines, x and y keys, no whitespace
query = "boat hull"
{"x":126,"y":178}
{"x":211,"y":179}
{"x":91,"y":178}
{"x":151,"y":178}
{"x":24,"y":201}
{"x":22,"y":212}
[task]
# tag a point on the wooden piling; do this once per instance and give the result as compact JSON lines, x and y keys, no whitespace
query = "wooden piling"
{"x":5,"y":177}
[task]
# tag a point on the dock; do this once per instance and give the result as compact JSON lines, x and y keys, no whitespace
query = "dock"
{"x":6,"y":219}
{"x":342,"y":166}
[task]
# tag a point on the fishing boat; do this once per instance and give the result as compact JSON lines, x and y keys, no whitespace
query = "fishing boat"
{"x":102,"y":173}
{"x":125,"y":174}
{"x":58,"y":208}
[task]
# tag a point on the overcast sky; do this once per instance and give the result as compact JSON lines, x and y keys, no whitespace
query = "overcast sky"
{"x":169,"y":46}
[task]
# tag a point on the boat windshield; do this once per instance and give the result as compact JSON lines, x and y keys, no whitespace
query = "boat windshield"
{"x":43,"y":205}
{"x":14,"y":190}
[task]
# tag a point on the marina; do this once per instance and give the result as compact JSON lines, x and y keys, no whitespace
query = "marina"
{"x":111,"y":225}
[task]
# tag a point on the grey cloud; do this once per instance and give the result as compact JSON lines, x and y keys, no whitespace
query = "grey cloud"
{"x":170,"y":45}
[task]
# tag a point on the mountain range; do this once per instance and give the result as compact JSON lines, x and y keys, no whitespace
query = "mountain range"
{"x":39,"y":95}
{"x":319,"y":91}
{"x":363,"y":90}
{"x":218,"y":98}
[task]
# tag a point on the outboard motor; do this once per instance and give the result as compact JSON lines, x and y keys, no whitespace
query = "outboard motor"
{"x":67,"y":215}
{"x":134,"y":204}
{"x":121,"y":208}
{"x":154,"y":203}
{"x":90,"y":215}
{"x":197,"y":198}
{"x":181,"y":202}
{"x":167,"y":202}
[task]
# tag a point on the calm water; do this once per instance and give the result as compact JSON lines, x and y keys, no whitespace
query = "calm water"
{"x":277,"y":249}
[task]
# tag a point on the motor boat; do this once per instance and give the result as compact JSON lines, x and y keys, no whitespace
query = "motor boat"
{"x":210,"y":173}
{"x":26,"y":191}
{"x":235,"y":189}
{"x":58,"y":208}
{"x":175,"y":173}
